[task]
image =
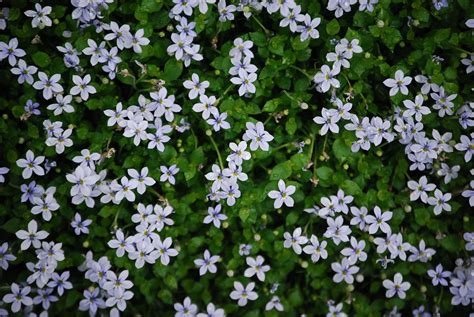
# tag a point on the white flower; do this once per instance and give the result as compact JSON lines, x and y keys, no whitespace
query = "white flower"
{"x":344,"y":271}
{"x":62,"y":104}
{"x":140,"y":180}
{"x":400,"y":83}
{"x":82,"y":87}
{"x":308,"y":28}
{"x":257,"y":136}
{"x":207,"y":263}
{"x":211,"y":311}
{"x":215,"y":216}
{"x":337,"y":231}
{"x":48,"y":85}
{"x":295,"y":241}
{"x":196,"y":88}
{"x":329,"y":121}
{"x":164,"y":249}
{"x":397,"y":287}
{"x":325,"y":78}
{"x":317,"y":250}
{"x":124,"y":189}
{"x":379,"y":221}
{"x":282,"y":195}
{"x":355,"y":252}
{"x":138,"y":40}
{"x":274,"y":303}
{"x":40,"y":16}
{"x":32,"y":236}
{"x":60,"y":140}
{"x":420,"y":188}
{"x":256,"y":267}
{"x":238,"y":153}
{"x":24,"y":72}
{"x":241,"y":48}
{"x":440,"y":201}
{"x":168,"y":173}
{"x":11,"y":51}
{"x":31,"y":165}
{"x":245,"y":80}
{"x":18,"y":296}
{"x":243,"y":295}
{"x":416,"y":108}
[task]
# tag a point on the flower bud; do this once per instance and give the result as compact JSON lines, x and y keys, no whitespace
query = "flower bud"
{"x":379,"y":153}
{"x":257,"y":237}
{"x":350,"y":288}
{"x":345,"y":166}
{"x":21,"y":140}
{"x":5,"y":116}
{"x":304,"y":105}
{"x":230,"y":273}
{"x":380,"y":24}
{"x":208,"y":132}
{"x":304,"y":264}
{"x":169,"y":27}
{"x":105,"y":80}
{"x":407,"y":208}
{"x":217,"y":72}
{"x":423,"y":289}
{"x":359,"y":278}
{"x":86,"y":244}
{"x":264,"y":217}
{"x":225,"y":224}
{"x":367,"y":55}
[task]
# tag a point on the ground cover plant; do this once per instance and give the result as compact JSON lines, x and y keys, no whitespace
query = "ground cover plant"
{"x":236,"y":158}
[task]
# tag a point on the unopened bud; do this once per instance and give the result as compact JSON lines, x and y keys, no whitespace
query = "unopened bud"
{"x":304,"y":105}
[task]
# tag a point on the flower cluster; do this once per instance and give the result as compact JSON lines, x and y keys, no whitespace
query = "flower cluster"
{"x":195,"y":163}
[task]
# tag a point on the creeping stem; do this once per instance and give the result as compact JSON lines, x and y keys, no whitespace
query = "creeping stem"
{"x":219,"y":157}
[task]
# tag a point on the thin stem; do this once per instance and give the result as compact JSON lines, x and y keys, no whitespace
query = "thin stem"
{"x":217,"y":151}
{"x":268,"y":119}
{"x":267,"y":32}
{"x":223,"y":94}
{"x":195,"y":138}
{"x":283,"y":146}
{"x":114,"y":224}
{"x":301,"y":71}
{"x":325,"y":142}
{"x":352,"y":89}
{"x":288,"y":95}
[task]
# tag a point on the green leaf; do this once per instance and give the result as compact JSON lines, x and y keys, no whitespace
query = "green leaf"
{"x":391,"y":37}
{"x":333,"y":27}
{"x":172,"y":70}
{"x":422,"y":215}
{"x":341,"y":150}
{"x":291,"y":125}
{"x":281,"y":171}
{"x":271,"y":105}
{"x":324,"y":173}
{"x":41,"y":59}
{"x":277,"y":44}
{"x":351,"y":188}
